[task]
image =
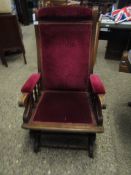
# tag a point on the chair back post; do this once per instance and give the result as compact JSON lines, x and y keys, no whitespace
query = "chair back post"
{"x":37,"y":44}
{"x":95,"y":35}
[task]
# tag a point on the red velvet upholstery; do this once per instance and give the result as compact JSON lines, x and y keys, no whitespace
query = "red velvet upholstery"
{"x":65,"y":55}
{"x":31,"y":83}
{"x":65,"y":12}
{"x":97,"y":84}
{"x":64,"y":106}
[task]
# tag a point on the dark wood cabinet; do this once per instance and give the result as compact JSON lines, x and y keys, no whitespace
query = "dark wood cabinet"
{"x":10,"y":36}
{"x":118,"y":41}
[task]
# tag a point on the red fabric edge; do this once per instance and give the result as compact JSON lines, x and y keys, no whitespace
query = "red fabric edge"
{"x":31,"y":83}
{"x":97,"y":84}
{"x":64,"y":11}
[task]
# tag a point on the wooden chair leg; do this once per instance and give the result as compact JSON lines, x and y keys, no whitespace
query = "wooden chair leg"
{"x":37,"y":140}
{"x":91,"y":141}
{"x":129,"y":104}
{"x":3,"y":60}
{"x":31,"y":134}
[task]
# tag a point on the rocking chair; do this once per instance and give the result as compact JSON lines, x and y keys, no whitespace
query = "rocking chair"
{"x":65,"y":96}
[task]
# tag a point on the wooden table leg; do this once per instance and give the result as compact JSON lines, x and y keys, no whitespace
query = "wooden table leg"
{"x":129,"y":104}
{"x":3,"y":59}
{"x":24,"y":58}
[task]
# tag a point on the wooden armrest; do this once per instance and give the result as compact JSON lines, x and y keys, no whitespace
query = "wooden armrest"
{"x":101,"y":98}
{"x":27,"y":101}
{"x":23,"y":99}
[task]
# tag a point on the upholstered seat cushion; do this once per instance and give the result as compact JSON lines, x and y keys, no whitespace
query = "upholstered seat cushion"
{"x":64,"y":106}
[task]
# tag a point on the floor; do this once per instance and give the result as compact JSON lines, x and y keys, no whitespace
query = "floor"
{"x":113,"y":148}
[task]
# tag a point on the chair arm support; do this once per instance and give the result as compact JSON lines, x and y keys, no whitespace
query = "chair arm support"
{"x":97,"y":84}
{"x":101,"y":98}
{"x":30,"y":94}
{"x":27,"y":101}
{"x":98,"y":93}
{"x":97,"y":109}
{"x":23,"y":99}
{"x":30,"y":84}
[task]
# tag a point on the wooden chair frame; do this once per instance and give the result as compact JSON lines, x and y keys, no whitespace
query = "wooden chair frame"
{"x":29,"y":101}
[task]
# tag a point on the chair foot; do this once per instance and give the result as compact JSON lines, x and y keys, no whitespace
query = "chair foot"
{"x":104,"y":106}
{"x":36,"y":146}
{"x":91,"y":141}
{"x":3,"y":60}
{"x":31,"y":134}
{"x":129,"y":104}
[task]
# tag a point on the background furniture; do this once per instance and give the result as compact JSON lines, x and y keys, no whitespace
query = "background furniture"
{"x":65,"y":96}
{"x":22,"y":11}
{"x":118,"y":37}
{"x":104,"y":5}
{"x":125,"y":64}
{"x":10,"y":36}
{"x":25,"y":8}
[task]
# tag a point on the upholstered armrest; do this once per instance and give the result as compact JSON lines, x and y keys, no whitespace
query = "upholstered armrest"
{"x":29,"y":88}
{"x":101,"y":98}
{"x":30,"y":84}
{"x":98,"y":89}
{"x":30,"y":94}
{"x":97,"y":84}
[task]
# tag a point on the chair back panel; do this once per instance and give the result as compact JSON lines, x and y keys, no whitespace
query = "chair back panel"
{"x":65,"y":55}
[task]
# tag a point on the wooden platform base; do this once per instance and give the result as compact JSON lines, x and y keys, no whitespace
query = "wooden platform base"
{"x":36,"y":136}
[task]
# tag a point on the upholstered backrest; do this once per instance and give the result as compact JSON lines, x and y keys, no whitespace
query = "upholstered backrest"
{"x":66,"y":50}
